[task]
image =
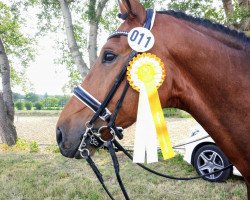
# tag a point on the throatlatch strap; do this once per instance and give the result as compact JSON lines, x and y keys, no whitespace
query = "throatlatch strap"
{"x":149,"y":20}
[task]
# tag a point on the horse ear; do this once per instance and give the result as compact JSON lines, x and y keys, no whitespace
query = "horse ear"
{"x":123,"y":9}
{"x":132,"y":9}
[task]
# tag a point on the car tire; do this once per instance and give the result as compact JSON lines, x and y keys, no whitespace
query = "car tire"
{"x":210,"y":158}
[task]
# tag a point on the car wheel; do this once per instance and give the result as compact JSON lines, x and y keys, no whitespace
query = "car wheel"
{"x":210,"y":158}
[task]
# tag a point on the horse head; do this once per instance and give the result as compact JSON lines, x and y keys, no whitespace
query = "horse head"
{"x":113,"y":57}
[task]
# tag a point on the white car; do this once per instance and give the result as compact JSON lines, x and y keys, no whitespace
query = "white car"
{"x":206,"y":157}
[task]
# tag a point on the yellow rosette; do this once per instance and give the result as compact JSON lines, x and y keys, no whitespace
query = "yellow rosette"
{"x":146,"y":74}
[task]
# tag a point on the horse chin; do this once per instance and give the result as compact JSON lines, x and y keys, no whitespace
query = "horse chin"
{"x":77,"y":155}
{"x":68,"y":153}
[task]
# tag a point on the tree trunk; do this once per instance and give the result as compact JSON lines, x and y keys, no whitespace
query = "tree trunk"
{"x":7,"y":129}
{"x":94,"y":19}
{"x":245,"y":9}
{"x":73,"y":47}
{"x":228,"y":8}
{"x":92,"y":47}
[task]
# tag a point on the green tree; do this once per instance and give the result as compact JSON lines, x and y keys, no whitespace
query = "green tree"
{"x":238,"y":13}
{"x":19,"y":105}
{"x":14,"y":44}
{"x":38,"y":105}
{"x":32,"y":97}
{"x":199,"y":8}
{"x":62,"y":100}
{"x":50,"y":102}
{"x":28,"y":105}
{"x":17,"y":96}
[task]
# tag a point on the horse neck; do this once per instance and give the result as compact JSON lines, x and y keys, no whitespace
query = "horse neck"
{"x":211,"y":72}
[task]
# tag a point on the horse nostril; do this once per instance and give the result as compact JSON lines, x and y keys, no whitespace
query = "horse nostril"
{"x":59,"y":135}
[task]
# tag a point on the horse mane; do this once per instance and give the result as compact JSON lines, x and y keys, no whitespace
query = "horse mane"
{"x":208,"y":24}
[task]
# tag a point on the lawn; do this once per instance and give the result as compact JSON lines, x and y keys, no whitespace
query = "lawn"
{"x":48,"y":175}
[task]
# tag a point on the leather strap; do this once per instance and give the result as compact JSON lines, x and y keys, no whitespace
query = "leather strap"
{"x":90,"y":101}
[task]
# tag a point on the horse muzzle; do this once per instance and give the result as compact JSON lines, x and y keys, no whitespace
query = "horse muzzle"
{"x":83,"y":143}
{"x":67,"y":147}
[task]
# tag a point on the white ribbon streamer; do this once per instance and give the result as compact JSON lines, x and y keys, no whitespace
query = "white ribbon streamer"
{"x":145,"y":133}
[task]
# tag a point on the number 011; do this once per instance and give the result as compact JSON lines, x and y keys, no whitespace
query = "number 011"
{"x":138,"y":37}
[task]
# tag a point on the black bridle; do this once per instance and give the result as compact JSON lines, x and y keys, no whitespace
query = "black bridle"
{"x":100,"y":109}
{"x":94,"y":137}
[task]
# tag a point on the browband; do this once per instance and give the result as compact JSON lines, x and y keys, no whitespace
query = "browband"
{"x":118,"y":33}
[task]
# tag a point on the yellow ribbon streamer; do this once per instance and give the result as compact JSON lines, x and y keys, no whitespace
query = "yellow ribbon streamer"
{"x":147,"y":69}
{"x":159,"y":121}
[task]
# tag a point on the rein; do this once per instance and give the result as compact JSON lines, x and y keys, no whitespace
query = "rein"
{"x":94,"y":137}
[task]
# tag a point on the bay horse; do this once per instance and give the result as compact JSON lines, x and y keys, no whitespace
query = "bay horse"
{"x":207,"y":75}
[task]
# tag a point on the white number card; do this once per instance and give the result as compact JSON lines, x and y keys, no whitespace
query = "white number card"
{"x":141,"y":39}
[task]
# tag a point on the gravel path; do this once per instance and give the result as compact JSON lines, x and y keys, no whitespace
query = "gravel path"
{"x":42,"y":129}
{"x":178,"y":128}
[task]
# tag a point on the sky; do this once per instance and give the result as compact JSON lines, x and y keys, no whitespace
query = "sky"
{"x":44,"y":74}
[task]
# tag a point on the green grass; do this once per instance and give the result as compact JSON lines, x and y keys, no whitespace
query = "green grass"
{"x":51,"y":176}
{"x":174,"y":112}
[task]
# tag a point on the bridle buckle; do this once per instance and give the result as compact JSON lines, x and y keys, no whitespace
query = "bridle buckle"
{"x":105,"y":117}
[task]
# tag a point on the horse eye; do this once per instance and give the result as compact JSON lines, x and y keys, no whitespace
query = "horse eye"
{"x":108,"y":57}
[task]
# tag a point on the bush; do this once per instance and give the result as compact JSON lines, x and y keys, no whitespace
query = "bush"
{"x":22,"y":144}
{"x":28,"y":105}
{"x":53,"y":148}
{"x":38,"y":106}
{"x":19,"y":105}
{"x":34,"y":147}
